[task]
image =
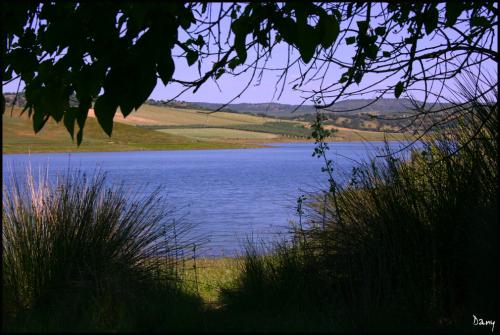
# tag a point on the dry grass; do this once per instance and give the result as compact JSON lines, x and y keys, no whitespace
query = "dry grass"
{"x":155,"y":115}
{"x":207,"y":276}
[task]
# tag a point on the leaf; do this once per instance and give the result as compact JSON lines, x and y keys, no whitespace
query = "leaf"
{"x":186,"y":18}
{"x":240,"y":47}
{"x":81,"y":116}
{"x":79,"y":137}
{"x":431,"y":20}
{"x":126,"y":107}
{"x":350,"y":40}
{"x":398,"y":89}
{"x":380,"y":31}
{"x":306,"y":42}
{"x":105,"y":109}
{"x":349,"y":9}
{"x":358,"y":76}
{"x":39,"y":120}
{"x":410,"y":40}
{"x":345,"y":76}
{"x":233,"y":63}
{"x":386,"y":54}
{"x":453,"y":11}
{"x":219,"y":73}
{"x":200,"y":41}
{"x":191,"y":57}
{"x":145,"y":84}
{"x":287,"y":28}
{"x":166,"y":67}
{"x":69,"y":120}
{"x":371,"y":51}
{"x":480,"y":21}
{"x":362,"y":26}
{"x":337,"y":14}
{"x":329,"y":27}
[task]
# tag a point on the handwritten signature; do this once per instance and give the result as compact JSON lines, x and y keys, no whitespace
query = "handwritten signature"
{"x":480,"y":322}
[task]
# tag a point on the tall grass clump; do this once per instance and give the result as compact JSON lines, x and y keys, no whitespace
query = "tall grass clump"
{"x":414,"y":249}
{"x":81,"y":255}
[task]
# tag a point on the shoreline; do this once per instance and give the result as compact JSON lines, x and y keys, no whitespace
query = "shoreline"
{"x":243,"y":146}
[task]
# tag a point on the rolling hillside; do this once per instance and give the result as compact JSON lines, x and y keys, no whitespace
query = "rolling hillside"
{"x":382,"y":107}
{"x":157,"y":127}
{"x":18,"y":137}
{"x":226,"y":126}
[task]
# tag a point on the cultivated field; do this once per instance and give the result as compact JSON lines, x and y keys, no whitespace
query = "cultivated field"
{"x":19,"y":137}
{"x":163,"y":128}
{"x":155,"y":115}
{"x":219,"y":133}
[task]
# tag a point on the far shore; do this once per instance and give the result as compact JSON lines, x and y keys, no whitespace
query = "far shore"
{"x":19,"y":138}
{"x":231,"y":145}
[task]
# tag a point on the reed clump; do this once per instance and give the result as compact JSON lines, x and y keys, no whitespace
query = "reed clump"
{"x":79,"y":254}
{"x":414,"y":249}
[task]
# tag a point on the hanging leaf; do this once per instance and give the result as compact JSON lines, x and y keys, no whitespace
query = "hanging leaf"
{"x":69,"y":120}
{"x":306,"y":42}
{"x":380,"y":31}
{"x":287,"y":29}
{"x":166,"y":67}
{"x":371,"y":51}
{"x":362,"y":26}
{"x":329,"y":27}
{"x":479,"y":21}
{"x":240,"y":47}
{"x":350,"y":40}
{"x":39,"y":120}
{"x":453,"y":11}
{"x":105,"y":109}
{"x":398,"y":89}
{"x":186,"y":18}
{"x":233,"y":63}
{"x":431,"y":20}
{"x":145,"y":84}
{"x":219,"y":73}
{"x":191,"y":57}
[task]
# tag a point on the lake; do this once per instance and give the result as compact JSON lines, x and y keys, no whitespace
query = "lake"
{"x":228,"y":195}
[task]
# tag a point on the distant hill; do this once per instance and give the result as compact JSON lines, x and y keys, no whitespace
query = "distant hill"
{"x":382,"y":106}
{"x":359,"y":114}
{"x":360,"y":106}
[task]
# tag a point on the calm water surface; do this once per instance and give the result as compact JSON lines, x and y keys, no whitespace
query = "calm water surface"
{"x":229,"y":195}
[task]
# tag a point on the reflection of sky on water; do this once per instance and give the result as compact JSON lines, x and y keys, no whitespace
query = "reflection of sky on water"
{"x":228,"y":195}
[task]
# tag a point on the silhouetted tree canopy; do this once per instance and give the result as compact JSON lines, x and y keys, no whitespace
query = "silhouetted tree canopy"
{"x":110,"y":54}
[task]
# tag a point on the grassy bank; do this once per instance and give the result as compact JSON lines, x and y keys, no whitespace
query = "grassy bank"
{"x":18,"y":137}
{"x":79,"y":255}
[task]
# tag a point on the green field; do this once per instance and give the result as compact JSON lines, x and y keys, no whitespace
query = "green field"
{"x":227,"y":126}
{"x":19,"y":137}
{"x":219,"y":133}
